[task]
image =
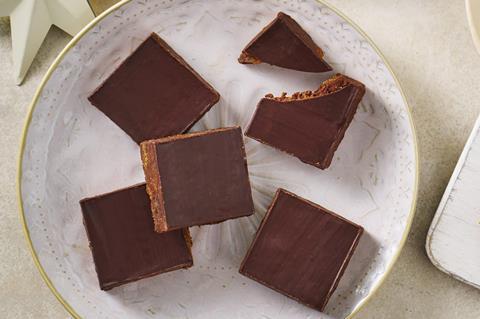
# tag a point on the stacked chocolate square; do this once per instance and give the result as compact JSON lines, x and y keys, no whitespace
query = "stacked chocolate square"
{"x":301,"y":249}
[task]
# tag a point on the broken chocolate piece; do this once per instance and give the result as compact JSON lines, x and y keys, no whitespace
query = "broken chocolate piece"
{"x":308,"y":125}
{"x":284,"y":43}
{"x":124,"y":246}
{"x":301,"y":250}
{"x":154,"y":93}
{"x":198,"y":178}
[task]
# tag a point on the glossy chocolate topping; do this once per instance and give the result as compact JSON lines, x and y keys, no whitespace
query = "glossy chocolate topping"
{"x":154,"y":93}
{"x":308,"y":125}
{"x":124,"y":245}
{"x":284,"y":43}
{"x":199,"y":178}
{"x":301,"y":250}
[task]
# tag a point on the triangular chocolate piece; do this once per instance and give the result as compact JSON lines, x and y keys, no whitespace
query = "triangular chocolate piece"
{"x":308,"y":125}
{"x":284,"y":43}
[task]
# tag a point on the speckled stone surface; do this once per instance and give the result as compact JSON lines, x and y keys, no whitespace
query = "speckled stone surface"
{"x":23,"y":293}
{"x":429,"y":47}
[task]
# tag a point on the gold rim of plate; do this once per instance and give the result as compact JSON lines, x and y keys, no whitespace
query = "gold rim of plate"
{"x":74,"y":41}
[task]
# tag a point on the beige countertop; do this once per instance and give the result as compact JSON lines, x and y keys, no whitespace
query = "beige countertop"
{"x":429,"y":47}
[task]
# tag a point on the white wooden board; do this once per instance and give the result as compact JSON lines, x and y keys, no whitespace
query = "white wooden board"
{"x":453,"y":241}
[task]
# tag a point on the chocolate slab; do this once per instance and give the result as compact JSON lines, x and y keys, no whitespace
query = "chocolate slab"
{"x":154,"y":93}
{"x":124,"y":246}
{"x":284,"y":43}
{"x":301,"y":250}
{"x":198,"y":178}
{"x":308,"y":125}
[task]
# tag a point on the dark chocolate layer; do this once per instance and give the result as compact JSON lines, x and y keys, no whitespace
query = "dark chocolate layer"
{"x":308,"y":125}
{"x":154,"y":93}
{"x":198,"y":178}
{"x":301,"y":250}
{"x":124,"y":245}
{"x":284,"y":43}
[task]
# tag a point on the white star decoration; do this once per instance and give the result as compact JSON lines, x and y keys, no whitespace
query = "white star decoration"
{"x":30,"y":21}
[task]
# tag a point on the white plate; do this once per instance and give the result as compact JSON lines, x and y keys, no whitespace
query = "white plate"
{"x":71,"y":150}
